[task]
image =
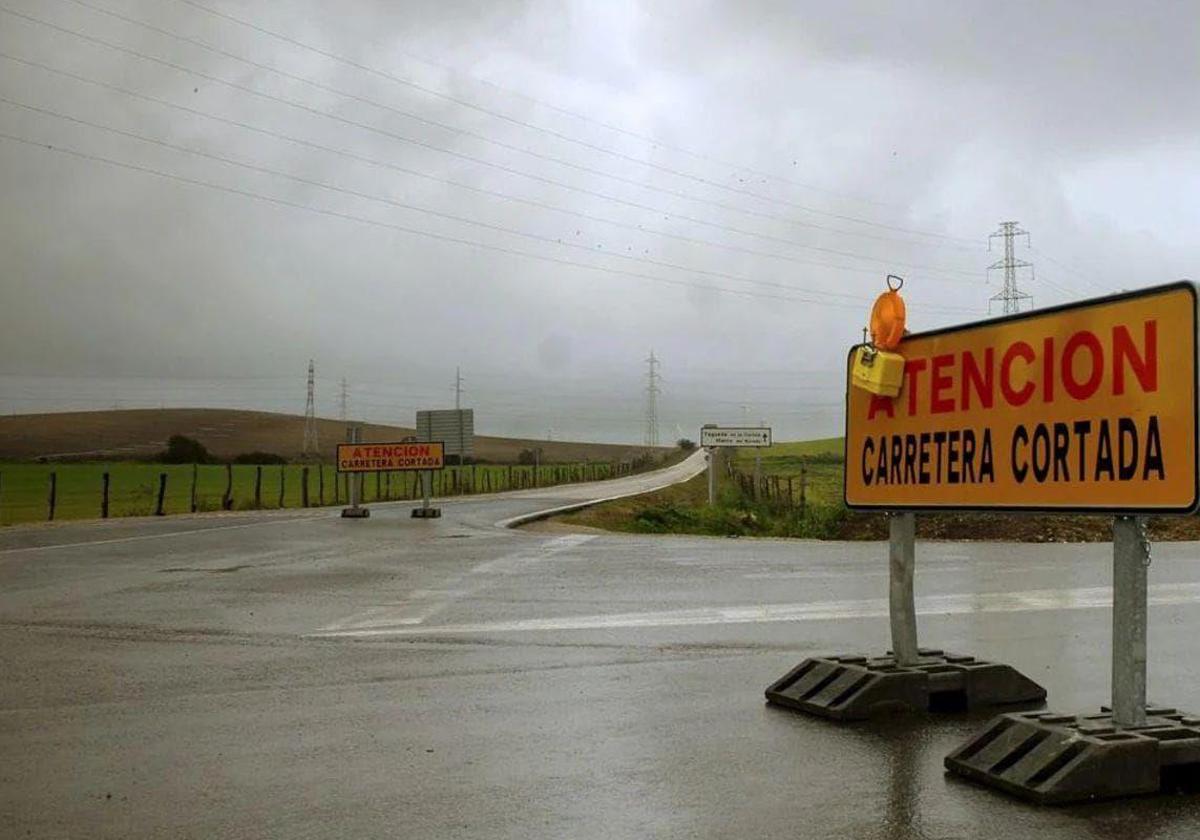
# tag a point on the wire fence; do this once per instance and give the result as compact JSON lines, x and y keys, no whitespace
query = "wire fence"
{"x":775,"y":491}
{"x":50,"y":492}
{"x":789,"y":484}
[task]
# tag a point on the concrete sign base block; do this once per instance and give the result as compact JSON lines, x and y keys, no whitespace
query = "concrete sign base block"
{"x":356,"y":513}
{"x":1052,"y":759}
{"x":427,"y":513}
{"x":853,"y":687}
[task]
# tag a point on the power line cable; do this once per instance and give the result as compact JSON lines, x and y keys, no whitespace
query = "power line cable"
{"x":402,"y":228}
{"x":653,"y":141}
{"x":513,"y":147}
{"x":1086,"y":277}
{"x":464,"y":156}
{"x":383,"y":74}
{"x":637,"y":228}
{"x":427,"y":211}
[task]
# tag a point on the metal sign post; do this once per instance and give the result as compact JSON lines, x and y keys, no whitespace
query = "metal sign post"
{"x":1131,"y":562}
{"x":354,"y":436}
{"x":902,"y":608}
{"x":1126,"y":750}
{"x":757,"y":473}
{"x":426,"y":510}
{"x":714,"y":455}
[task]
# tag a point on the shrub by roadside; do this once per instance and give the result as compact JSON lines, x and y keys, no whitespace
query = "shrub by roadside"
{"x":683,"y":509}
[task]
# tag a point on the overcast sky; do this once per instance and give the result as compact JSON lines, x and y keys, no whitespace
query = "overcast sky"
{"x":543,"y":192}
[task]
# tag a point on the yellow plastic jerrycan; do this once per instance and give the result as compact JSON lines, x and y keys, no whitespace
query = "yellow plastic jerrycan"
{"x":877,"y":371}
{"x":876,"y":368}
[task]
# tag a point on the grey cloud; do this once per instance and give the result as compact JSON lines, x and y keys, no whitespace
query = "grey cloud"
{"x":946,"y":117}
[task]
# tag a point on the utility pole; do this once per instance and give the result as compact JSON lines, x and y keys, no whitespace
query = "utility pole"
{"x":458,"y":391}
{"x":344,"y":400}
{"x":310,"y":414}
{"x":1010,"y":296}
{"x":652,"y":392}
{"x":762,"y":423}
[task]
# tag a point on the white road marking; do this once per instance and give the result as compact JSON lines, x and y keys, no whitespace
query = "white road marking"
{"x":426,"y":603}
{"x":958,"y":604}
{"x":139,"y":538}
{"x":929,"y":570}
{"x":514,"y":562}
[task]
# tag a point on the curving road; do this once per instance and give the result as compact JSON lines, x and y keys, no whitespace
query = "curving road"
{"x":299,"y":675}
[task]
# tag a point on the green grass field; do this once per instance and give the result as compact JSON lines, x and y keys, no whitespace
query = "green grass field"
{"x":133,"y":488}
{"x":821,"y":459}
{"x":683,"y":508}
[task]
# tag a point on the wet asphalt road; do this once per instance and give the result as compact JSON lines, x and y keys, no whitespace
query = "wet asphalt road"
{"x":298,"y":675}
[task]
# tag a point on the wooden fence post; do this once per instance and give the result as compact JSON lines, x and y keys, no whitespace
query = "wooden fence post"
{"x":53,"y":495}
{"x":321,"y":485}
{"x":791,"y":498}
{"x":282,"y":473}
{"x":258,"y":487}
{"x":195,"y":478}
{"x":387,"y":485}
{"x":803,"y":487}
{"x":377,"y":497}
{"x":162,"y":492}
{"x":304,"y":486}
{"x":104,"y":496}
{"x":337,"y":495}
{"x":227,"y":497}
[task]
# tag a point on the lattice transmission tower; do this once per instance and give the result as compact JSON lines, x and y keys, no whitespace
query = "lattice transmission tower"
{"x":1010,"y":296}
{"x":344,"y":401}
{"x":652,"y":392}
{"x":310,"y":414}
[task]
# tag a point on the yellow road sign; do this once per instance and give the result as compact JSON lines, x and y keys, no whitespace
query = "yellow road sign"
{"x":1085,"y":407}
{"x":370,"y":457}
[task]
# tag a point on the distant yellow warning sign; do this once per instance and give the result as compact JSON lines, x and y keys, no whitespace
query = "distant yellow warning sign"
{"x":1088,"y":407}
{"x":369,"y":457}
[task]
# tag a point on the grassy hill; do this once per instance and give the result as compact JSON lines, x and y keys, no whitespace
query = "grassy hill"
{"x":140,"y":433}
